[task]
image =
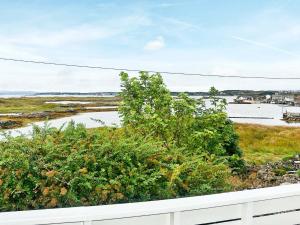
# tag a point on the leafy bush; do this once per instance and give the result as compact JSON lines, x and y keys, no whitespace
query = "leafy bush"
{"x":78,"y":167}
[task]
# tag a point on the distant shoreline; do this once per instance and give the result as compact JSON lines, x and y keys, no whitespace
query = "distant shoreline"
{"x":174,"y":93}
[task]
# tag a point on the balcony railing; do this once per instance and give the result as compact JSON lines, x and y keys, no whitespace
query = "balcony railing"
{"x":267,"y":206}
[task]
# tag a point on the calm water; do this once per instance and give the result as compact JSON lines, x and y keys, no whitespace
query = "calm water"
{"x":261,"y":110}
{"x":91,"y":120}
{"x":234,"y":110}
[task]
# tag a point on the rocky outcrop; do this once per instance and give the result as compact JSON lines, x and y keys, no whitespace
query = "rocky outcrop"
{"x":274,"y":174}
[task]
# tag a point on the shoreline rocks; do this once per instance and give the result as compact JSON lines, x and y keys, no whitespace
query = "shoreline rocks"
{"x":274,"y":174}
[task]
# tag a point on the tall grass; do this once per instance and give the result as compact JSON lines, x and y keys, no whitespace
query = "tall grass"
{"x":262,"y":144}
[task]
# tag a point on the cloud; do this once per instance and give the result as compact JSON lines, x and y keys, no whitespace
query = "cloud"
{"x":9,"y":50}
{"x":182,"y":24}
{"x":167,"y":5}
{"x":264,"y":45}
{"x":77,"y":34}
{"x":59,"y":38}
{"x":156,"y":44}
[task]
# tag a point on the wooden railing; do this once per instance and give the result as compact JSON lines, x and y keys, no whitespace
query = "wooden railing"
{"x":267,"y":206}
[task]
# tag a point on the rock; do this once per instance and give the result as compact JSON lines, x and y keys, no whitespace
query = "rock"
{"x":9,"y":124}
{"x":274,"y":174}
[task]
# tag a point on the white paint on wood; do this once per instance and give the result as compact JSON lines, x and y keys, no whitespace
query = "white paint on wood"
{"x":175,"y":218}
{"x":79,"y":223}
{"x":276,"y":205}
{"x":209,"y":215}
{"x":142,"y":220}
{"x":247,"y":213}
{"x":292,"y":218}
{"x":245,"y":205}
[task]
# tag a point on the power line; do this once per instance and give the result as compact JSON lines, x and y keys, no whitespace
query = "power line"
{"x":150,"y":71}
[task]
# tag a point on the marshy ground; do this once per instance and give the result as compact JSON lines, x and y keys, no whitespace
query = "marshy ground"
{"x":263,"y":144}
{"x":19,"y":112}
{"x":272,"y":155}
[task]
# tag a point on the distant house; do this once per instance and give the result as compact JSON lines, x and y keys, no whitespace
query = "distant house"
{"x":277,"y":98}
{"x":282,"y":99}
{"x":244,"y":100}
{"x":297,"y":100}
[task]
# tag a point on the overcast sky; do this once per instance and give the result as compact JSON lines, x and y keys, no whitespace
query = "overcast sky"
{"x":230,"y":37}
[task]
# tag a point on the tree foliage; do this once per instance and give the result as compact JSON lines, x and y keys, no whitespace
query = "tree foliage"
{"x":193,"y":125}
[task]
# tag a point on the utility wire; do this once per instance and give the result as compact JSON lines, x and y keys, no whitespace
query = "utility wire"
{"x":150,"y":71}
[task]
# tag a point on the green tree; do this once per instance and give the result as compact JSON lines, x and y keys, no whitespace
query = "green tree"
{"x":184,"y":122}
{"x":146,"y":105}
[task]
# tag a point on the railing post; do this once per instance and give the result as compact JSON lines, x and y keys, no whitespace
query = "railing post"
{"x":175,"y":218}
{"x":247,"y":213}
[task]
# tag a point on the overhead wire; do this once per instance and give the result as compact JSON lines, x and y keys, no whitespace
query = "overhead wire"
{"x":150,"y":71}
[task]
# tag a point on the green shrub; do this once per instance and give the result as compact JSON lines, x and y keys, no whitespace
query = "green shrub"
{"x":78,"y":167}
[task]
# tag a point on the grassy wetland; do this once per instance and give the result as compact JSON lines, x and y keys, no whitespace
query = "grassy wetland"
{"x":19,"y":112}
{"x":262,"y":144}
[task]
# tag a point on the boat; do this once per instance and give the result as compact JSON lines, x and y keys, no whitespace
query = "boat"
{"x":291,"y":117}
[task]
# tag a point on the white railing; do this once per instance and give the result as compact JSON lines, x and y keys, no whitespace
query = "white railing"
{"x":267,"y":206}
